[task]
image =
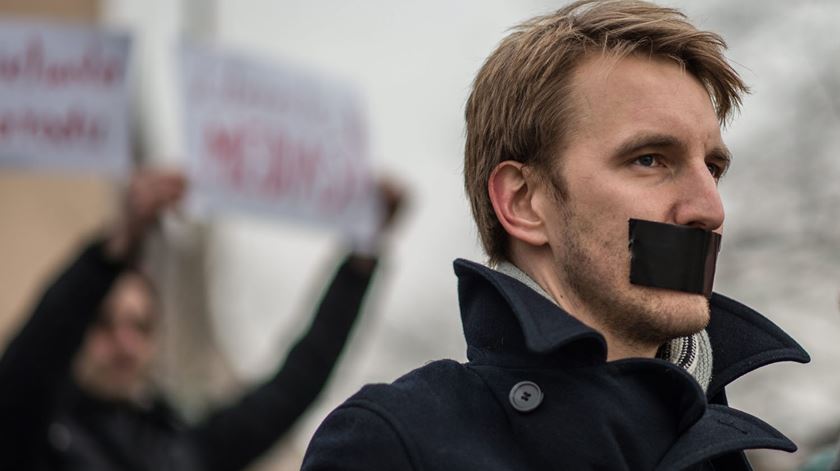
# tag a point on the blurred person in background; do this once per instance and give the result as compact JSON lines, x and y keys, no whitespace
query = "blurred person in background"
{"x":592,"y":160}
{"x":75,"y":383}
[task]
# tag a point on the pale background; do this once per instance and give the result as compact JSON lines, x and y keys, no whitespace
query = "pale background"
{"x":414,"y":62}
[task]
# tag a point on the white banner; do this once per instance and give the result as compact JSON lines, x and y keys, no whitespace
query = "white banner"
{"x":63,"y":98}
{"x":275,"y":139}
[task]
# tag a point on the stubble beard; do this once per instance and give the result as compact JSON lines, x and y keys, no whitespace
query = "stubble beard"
{"x":597,"y":270}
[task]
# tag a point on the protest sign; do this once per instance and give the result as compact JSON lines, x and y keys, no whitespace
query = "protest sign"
{"x":63,"y":98}
{"x":276,"y":139}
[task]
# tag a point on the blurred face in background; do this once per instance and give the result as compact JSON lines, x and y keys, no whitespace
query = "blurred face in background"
{"x":115,"y":360}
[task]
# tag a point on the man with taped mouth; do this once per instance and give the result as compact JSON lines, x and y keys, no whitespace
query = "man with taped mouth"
{"x":592,"y":164}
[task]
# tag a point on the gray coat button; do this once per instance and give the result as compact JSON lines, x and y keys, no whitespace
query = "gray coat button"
{"x":525,"y":396}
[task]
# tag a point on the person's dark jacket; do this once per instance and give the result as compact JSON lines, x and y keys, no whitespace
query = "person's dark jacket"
{"x":47,"y":423}
{"x":579,"y":411}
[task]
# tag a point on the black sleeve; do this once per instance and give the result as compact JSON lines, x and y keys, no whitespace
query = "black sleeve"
{"x":232,"y":437}
{"x":37,"y":360}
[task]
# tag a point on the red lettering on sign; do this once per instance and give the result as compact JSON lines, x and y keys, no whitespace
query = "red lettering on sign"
{"x":292,"y":168}
{"x":233,"y":89}
{"x":64,"y":128}
{"x":32,"y":65}
{"x":227,"y":149}
{"x":270,"y":164}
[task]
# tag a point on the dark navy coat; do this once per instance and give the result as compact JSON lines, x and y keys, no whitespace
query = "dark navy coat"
{"x":632,"y":414}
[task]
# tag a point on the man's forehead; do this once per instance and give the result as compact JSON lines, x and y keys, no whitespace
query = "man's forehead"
{"x":616,"y":68}
{"x":632,"y":95}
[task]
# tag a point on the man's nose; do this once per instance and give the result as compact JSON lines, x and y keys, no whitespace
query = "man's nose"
{"x":698,"y":202}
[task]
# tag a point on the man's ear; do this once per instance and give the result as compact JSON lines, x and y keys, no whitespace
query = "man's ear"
{"x":512,"y":189}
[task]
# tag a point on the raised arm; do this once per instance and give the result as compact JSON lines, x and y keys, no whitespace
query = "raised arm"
{"x":234,"y":436}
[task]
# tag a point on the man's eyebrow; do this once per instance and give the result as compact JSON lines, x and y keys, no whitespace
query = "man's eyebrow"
{"x":721,"y":152}
{"x":642,"y":141}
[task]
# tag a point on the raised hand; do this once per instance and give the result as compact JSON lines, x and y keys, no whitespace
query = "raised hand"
{"x":150,"y":193}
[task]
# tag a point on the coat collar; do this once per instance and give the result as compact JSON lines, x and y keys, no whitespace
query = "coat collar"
{"x":742,"y":339}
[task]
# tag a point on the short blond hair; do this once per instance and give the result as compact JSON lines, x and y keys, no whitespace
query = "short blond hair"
{"x":520,"y":107}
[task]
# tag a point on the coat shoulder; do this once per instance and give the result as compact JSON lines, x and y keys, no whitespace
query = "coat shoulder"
{"x":403,"y":420}
{"x":432,"y":383}
{"x":430,"y":395}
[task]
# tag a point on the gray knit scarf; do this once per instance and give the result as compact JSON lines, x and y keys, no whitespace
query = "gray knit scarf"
{"x":692,"y":353}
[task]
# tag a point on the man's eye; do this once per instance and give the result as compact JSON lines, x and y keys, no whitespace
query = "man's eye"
{"x":715,"y":170}
{"x":646,"y":161}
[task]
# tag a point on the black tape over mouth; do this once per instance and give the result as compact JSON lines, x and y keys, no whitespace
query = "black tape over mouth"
{"x":669,"y":256}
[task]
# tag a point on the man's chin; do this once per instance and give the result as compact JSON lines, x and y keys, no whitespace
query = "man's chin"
{"x":681,"y":314}
{"x":654,"y":316}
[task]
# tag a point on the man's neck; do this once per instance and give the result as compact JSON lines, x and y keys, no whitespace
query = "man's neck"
{"x":555,"y":290}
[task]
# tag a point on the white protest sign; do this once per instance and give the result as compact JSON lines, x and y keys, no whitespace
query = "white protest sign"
{"x":275,"y":139}
{"x":63,"y":98}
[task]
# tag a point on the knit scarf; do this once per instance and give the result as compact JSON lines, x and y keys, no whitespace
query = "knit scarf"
{"x":693,"y":353}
